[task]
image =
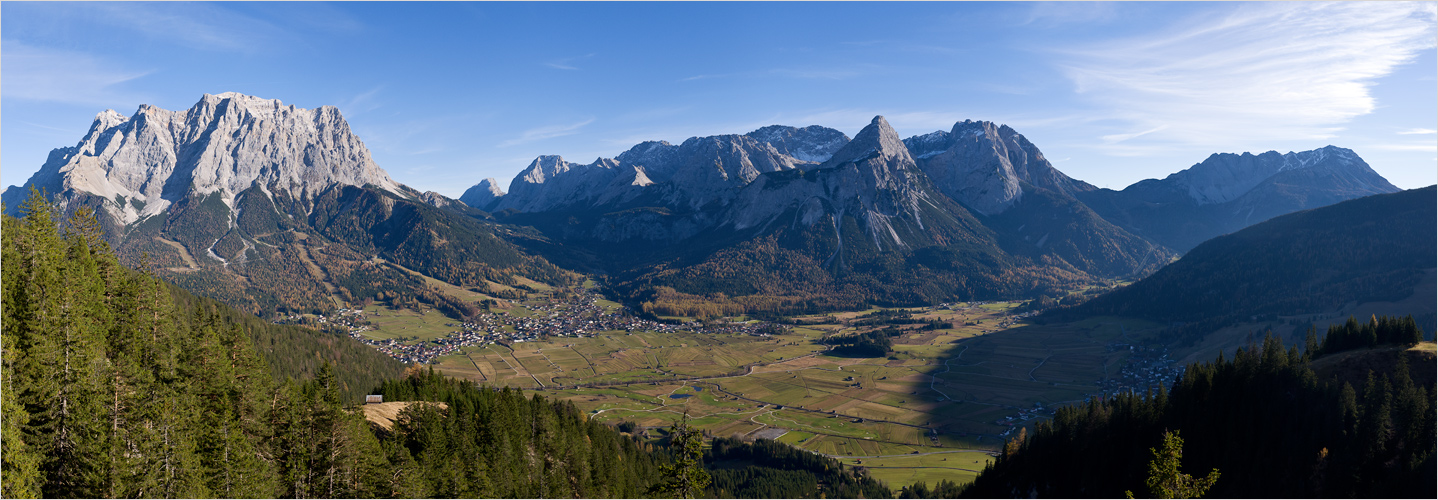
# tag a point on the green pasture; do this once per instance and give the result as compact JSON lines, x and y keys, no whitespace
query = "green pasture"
{"x":406,"y":324}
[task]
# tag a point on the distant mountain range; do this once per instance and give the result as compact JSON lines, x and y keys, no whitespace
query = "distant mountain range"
{"x":1370,"y":249}
{"x":1228,"y":192}
{"x":238,"y":195}
{"x":670,"y":216}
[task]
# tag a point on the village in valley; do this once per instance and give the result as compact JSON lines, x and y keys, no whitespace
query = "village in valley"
{"x":961,"y":377}
{"x":577,"y":315}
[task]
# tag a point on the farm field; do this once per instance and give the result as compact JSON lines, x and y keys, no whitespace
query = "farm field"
{"x":965,"y":385}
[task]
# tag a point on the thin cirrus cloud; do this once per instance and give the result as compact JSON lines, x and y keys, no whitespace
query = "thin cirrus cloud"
{"x":546,"y":132}
{"x":55,"y":75}
{"x":1261,"y":72}
{"x":567,"y":64}
{"x":208,"y":26}
{"x":1418,"y":131}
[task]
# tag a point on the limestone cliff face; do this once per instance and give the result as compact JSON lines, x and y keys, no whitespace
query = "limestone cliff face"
{"x":981,"y":164}
{"x":224,"y":144}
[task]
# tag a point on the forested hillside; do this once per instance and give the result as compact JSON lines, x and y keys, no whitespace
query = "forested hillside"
{"x":115,"y":387}
{"x":1264,"y":420}
{"x":1369,"y":249}
{"x":295,"y":352}
{"x":498,"y":444}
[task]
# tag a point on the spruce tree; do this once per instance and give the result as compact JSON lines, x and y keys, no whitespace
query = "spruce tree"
{"x":1164,"y":478}
{"x":685,"y":477}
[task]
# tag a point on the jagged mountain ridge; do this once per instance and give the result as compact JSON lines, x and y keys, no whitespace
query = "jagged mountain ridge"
{"x":968,"y":165}
{"x":1227,"y":192}
{"x":866,"y":224}
{"x":1002,"y":176}
{"x":271,"y":208}
{"x":223,"y":144}
{"x":981,"y":164}
{"x":696,"y":173}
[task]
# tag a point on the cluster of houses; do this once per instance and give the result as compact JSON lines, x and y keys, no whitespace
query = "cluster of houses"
{"x":1147,"y":369}
{"x":345,"y":317}
{"x":1013,"y":422}
{"x":580,"y":316}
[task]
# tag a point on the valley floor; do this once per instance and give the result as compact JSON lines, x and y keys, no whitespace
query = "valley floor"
{"x":937,"y":408}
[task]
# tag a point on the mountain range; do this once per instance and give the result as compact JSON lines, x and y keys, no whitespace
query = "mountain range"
{"x":237,"y":195}
{"x":1370,"y":250}
{"x":717,"y":214}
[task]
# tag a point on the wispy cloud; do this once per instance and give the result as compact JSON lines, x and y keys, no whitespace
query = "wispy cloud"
{"x":701,"y":77}
{"x":817,"y":73}
{"x":546,"y":132}
{"x":1117,"y":138}
{"x":1418,"y":131}
{"x":67,"y":131}
{"x":1047,"y":14}
{"x":201,"y":25}
{"x":567,"y":63}
{"x":46,"y":74}
{"x":1429,"y":147}
{"x":361,"y":102}
{"x":1260,"y":72}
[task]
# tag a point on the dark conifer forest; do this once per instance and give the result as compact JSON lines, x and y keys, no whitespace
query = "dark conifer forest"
{"x":1265,"y":419}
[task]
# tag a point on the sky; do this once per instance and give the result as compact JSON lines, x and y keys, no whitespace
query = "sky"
{"x":447,"y":94}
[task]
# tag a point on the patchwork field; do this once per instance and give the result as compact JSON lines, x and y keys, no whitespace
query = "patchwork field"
{"x":951,"y":395}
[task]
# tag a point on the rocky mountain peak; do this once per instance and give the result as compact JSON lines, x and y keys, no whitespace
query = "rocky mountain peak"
{"x":980,"y":164}
{"x":224,"y":144}
{"x":550,"y":182}
{"x":483,"y":195}
{"x":877,"y":141}
{"x":109,"y":119}
{"x":1223,"y":177}
{"x":971,"y":164}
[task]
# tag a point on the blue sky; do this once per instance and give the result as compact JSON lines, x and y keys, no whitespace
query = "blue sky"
{"x":446,"y":94}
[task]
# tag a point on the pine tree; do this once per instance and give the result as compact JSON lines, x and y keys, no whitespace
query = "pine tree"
{"x":686,"y":477}
{"x":1164,"y":478}
{"x":65,"y":362}
{"x":19,"y":462}
{"x":21,"y":465}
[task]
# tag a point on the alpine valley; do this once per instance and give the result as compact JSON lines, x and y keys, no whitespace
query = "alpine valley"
{"x":791,"y":311}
